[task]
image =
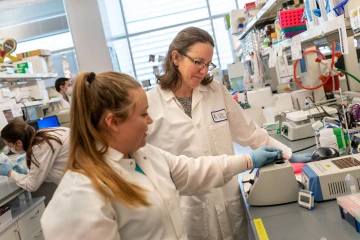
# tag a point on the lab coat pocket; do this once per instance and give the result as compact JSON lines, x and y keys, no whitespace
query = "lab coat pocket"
{"x":235,"y":209}
{"x":222,"y":138}
{"x":195,"y":221}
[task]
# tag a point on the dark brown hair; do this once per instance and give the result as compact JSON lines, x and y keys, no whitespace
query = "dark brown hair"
{"x":92,"y":96}
{"x":20,"y":130}
{"x":170,"y":78}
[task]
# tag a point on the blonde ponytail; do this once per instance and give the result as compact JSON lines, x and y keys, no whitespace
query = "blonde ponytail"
{"x":91,"y":96}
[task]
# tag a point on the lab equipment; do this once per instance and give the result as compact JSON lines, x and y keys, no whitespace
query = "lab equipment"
{"x":326,"y":178}
{"x":323,"y":153}
{"x":349,"y":206}
{"x":272,"y":184}
{"x":264,"y":155}
{"x":297,"y":124}
{"x":48,"y":122}
{"x":306,"y":199}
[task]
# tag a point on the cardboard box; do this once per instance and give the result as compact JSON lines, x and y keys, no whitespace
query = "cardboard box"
{"x":37,"y":52}
{"x":38,"y":63}
{"x":23,"y":64}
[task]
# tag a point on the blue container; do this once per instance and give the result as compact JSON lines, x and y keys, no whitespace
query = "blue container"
{"x":350,"y":219}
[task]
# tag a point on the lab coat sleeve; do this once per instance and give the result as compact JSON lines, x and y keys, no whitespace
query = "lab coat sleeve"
{"x":80,"y":213}
{"x":36,"y":175}
{"x":244,"y":130}
{"x":194,"y":176}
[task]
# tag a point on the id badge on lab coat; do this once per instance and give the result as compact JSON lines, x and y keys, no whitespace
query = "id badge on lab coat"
{"x":219,"y":115}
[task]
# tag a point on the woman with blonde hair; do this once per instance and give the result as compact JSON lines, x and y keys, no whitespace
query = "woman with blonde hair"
{"x":116,"y":185}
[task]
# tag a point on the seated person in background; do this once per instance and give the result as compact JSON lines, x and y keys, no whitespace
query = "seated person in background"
{"x":46,"y":154}
{"x":62,"y":86}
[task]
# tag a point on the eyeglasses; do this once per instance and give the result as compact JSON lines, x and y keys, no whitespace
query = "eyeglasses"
{"x":199,"y":64}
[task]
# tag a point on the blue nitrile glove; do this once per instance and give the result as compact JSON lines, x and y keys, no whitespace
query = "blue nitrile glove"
{"x":264,"y":155}
{"x":301,"y":158}
{"x":4,"y":169}
{"x":19,"y":169}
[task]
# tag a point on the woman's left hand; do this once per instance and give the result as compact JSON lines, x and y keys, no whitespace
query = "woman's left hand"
{"x":301,"y":158}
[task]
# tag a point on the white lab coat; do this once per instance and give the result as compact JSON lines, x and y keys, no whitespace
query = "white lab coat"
{"x":78,"y":211}
{"x":207,"y":134}
{"x":62,"y":104}
{"x":52,"y":165}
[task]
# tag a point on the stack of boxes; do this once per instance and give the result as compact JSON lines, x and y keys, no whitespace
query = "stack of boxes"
{"x":37,"y":61}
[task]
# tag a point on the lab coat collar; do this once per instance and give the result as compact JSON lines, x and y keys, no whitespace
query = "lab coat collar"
{"x":168,"y":94}
{"x":144,"y":162}
{"x":111,"y":153}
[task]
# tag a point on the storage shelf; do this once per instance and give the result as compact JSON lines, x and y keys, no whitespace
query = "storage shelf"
{"x":268,"y":11}
{"x":25,"y":76}
{"x":326,"y":29}
{"x":5,"y":107}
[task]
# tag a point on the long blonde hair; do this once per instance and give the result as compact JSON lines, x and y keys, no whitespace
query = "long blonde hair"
{"x":92,"y":96}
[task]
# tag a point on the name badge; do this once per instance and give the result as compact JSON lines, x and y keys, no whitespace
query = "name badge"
{"x":219,"y":115}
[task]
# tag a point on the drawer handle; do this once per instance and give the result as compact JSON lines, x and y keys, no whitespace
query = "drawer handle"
{"x":41,"y":233}
{"x":37,"y":212}
{"x":18,"y":233}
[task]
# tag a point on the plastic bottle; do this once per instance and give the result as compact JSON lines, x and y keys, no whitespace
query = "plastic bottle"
{"x":274,"y":38}
{"x":350,"y":184}
{"x":328,"y":139}
{"x":266,"y":41}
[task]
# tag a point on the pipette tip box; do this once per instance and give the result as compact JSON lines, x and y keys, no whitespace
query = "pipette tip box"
{"x":349,"y":206}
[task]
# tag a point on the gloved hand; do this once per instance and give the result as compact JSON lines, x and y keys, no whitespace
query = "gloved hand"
{"x":301,"y":158}
{"x":19,"y":169}
{"x":264,"y":155}
{"x":4,"y":169}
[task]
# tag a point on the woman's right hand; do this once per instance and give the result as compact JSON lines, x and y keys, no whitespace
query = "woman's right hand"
{"x":264,"y":155}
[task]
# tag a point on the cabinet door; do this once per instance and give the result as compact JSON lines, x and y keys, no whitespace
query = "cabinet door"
{"x":30,"y":221}
{"x":37,"y":235}
{"x":10,"y":234}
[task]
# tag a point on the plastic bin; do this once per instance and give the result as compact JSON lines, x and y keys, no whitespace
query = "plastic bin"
{"x":291,"y":18}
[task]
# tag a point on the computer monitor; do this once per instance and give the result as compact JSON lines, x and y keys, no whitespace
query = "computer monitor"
{"x":33,"y":123}
{"x":48,"y":122}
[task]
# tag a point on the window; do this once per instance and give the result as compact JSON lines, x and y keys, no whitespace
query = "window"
{"x":150,"y":26}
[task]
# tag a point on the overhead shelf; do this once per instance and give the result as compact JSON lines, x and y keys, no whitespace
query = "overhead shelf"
{"x":25,"y":76}
{"x":268,"y":11}
{"x":323,"y":30}
{"x":5,"y":107}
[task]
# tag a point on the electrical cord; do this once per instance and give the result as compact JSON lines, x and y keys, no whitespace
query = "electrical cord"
{"x":301,"y":185}
{"x":304,"y":148}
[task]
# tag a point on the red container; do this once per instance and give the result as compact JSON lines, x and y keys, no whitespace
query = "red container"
{"x":329,"y":84}
{"x":291,"y":18}
{"x":250,"y":5}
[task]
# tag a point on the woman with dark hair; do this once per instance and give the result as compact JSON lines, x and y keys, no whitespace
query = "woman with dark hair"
{"x":46,"y":154}
{"x":196,"y":116}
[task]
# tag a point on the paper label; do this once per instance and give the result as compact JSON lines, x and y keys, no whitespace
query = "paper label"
{"x":343,"y":38}
{"x":16,"y":110}
{"x":272,"y":58}
{"x":296,"y":47}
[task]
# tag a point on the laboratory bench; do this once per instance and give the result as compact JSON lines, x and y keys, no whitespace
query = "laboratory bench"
{"x":26,"y":213}
{"x":292,"y":222}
